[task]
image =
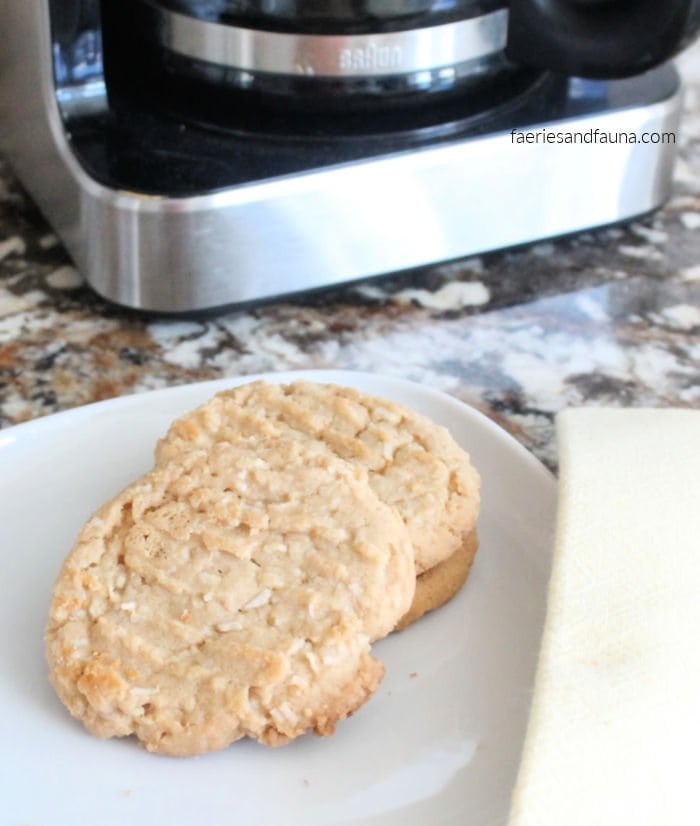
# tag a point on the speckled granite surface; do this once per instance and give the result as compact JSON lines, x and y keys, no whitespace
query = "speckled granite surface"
{"x":611,"y":317}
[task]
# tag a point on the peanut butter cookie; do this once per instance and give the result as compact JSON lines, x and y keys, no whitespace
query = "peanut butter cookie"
{"x":414,"y":465}
{"x":230,"y":592}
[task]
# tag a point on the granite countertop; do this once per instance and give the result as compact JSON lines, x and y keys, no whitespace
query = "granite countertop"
{"x":610,"y":317}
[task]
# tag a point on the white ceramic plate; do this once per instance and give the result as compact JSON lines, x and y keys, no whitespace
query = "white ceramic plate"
{"x":438,"y":744}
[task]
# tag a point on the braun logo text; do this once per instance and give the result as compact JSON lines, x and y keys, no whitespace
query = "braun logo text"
{"x":370,"y":58}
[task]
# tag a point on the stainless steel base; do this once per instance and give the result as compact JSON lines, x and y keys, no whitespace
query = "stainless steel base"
{"x":323,"y":226}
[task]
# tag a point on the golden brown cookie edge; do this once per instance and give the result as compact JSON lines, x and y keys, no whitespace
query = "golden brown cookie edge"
{"x":439,"y":584}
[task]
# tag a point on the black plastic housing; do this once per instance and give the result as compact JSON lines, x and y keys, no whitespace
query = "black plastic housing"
{"x":600,"y":39}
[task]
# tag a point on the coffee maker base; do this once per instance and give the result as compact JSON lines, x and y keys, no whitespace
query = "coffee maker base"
{"x":373,"y":216}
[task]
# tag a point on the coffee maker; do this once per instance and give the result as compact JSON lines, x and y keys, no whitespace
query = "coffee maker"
{"x":194,"y":155}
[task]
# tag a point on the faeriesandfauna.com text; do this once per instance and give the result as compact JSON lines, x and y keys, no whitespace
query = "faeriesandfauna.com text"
{"x":590,"y":136}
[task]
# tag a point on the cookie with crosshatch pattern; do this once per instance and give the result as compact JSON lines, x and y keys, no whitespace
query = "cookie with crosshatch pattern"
{"x":414,"y":465}
{"x":230,"y":592}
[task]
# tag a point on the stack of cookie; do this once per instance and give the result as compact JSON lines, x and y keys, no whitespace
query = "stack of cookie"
{"x":235,"y":590}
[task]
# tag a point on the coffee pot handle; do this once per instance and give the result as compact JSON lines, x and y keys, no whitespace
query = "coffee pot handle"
{"x":599,"y":38}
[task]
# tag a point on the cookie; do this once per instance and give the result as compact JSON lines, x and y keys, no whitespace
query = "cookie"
{"x":414,"y":465}
{"x":228,"y":593}
{"x":438,"y":585}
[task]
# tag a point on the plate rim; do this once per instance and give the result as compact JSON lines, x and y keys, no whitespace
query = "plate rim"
{"x":10,"y":435}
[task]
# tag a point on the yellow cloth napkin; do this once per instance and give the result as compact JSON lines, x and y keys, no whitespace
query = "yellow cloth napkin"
{"x":614,"y":731}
